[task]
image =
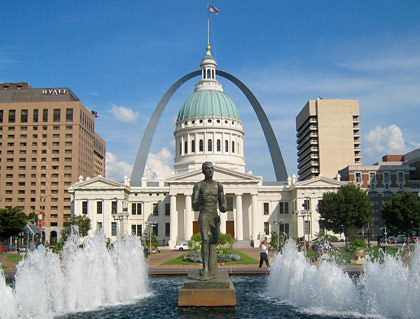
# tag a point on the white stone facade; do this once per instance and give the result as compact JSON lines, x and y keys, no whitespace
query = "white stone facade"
{"x":256,"y":209}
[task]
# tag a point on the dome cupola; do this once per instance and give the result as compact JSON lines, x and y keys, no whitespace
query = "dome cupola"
{"x":208,"y":126}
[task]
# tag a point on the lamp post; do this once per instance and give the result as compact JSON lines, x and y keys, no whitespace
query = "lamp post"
{"x":278,"y":222}
{"x":305,"y":213}
{"x":120,"y":216}
{"x":150,"y":237}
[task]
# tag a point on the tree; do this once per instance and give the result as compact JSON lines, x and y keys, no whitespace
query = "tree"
{"x":402,"y":213}
{"x":12,"y":222}
{"x":345,"y":211}
{"x":82,"y":222}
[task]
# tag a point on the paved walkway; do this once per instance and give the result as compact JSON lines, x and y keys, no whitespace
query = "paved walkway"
{"x":156,"y":268}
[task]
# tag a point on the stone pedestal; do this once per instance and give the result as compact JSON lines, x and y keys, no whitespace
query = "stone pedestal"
{"x":218,"y":292}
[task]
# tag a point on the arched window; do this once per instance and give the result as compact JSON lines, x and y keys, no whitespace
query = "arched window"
{"x":208,"y":73}
{"x":203,"y":74}
{"x":218,"y":145}
{"x":233,"y":146}
{"x":226,"y":146}
{"x":180,"y":148}
{"x":212,"y":74}
{"x":210,"y":145}
{"x":193,"y":146}
{"x":185,"y":147}
{"x":201,"y":146}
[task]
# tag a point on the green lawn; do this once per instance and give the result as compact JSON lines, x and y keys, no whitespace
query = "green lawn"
{"x":15,"y":258}
{"x":176,"y":261}
{"x":343,"y":256}
{"x":245,"y":260}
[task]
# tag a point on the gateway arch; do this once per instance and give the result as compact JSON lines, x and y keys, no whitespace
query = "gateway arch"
{"x":144,"y":148}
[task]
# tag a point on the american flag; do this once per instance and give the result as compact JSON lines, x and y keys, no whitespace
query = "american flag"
{"x":213,"y":9}
{"x":95,"y":113}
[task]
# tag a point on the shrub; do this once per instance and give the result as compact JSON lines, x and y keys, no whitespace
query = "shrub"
{"x":224,"y":250}
{"x":356,"y":244}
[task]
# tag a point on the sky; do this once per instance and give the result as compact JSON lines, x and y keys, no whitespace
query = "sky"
{"x":120,"y":57}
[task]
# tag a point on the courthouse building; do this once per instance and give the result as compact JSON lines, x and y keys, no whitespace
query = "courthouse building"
{"x":47,"y":140}
{"x":208,"y":128}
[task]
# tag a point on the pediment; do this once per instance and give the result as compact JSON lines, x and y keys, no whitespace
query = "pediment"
{"x":320,"y":181}
{"x":220,"y":174}
{"x":97,"y":182}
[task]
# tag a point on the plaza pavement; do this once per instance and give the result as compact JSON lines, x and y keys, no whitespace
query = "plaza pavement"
{"x":155,"y":266}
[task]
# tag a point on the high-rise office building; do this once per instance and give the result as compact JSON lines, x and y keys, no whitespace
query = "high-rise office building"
{"x":47,"y":140}
{"x":328,"y":137}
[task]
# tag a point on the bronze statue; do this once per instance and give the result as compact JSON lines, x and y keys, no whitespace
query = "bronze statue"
{"x":206,"y":195}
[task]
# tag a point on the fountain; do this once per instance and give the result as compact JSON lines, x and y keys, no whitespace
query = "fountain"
{"x":84,"y":279}
{"x":388,"y":289}
{"x":94,"y":282}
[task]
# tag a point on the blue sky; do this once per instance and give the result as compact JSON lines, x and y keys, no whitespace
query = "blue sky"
{"x":119,"y":58}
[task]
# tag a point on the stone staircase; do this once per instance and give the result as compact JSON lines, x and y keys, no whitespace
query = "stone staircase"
{"x":238,"y":244}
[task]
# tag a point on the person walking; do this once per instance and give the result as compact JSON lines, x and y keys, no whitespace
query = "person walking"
{"x":264,"y":254}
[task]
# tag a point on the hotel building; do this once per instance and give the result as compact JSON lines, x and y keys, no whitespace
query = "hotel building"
{"x":47,"y":140}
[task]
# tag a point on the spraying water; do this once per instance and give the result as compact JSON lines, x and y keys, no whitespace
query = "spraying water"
{"x":83,"y":279}
{"x":386,"y":289}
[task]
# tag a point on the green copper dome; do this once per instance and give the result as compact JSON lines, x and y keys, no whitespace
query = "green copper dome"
{"x":208,"y":103}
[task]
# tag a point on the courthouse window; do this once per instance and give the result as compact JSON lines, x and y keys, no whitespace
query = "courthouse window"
{"x":84,"y":207}
{"x":99,"y":207}
{"x":113,"y":229}
{"x":284,"y":207}
{"x":136,"y":209}
{"x":265,"y":208}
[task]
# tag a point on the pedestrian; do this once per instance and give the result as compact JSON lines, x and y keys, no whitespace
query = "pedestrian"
{"x":264,"y":254}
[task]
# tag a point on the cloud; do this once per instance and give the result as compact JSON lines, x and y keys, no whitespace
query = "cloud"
{"x":385,"y":64}
{"x":124,"y":114}
{"x":158,"y":166}
{"x":116,"y":169}
{"x":387,"y":140}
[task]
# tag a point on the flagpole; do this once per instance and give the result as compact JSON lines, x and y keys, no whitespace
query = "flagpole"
{"x":208,"y":22}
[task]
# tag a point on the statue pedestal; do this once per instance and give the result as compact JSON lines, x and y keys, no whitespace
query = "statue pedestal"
{"x":218,"y":292}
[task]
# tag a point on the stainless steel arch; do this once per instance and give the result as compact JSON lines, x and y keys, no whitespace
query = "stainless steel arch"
{"x":143,"y":151}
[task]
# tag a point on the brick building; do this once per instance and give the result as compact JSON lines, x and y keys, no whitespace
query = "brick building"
{"x":47,"y":139}
{"x":393,"y":175}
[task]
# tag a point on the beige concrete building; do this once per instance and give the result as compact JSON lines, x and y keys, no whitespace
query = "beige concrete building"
{"x":328,"y":137}
{"x":47,"y":140}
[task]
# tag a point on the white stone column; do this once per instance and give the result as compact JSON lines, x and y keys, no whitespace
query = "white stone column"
{"x":254,"y":213}
{"x":239,"y":220}
{"x":173,"y":219}
{"x":188,"y":218}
